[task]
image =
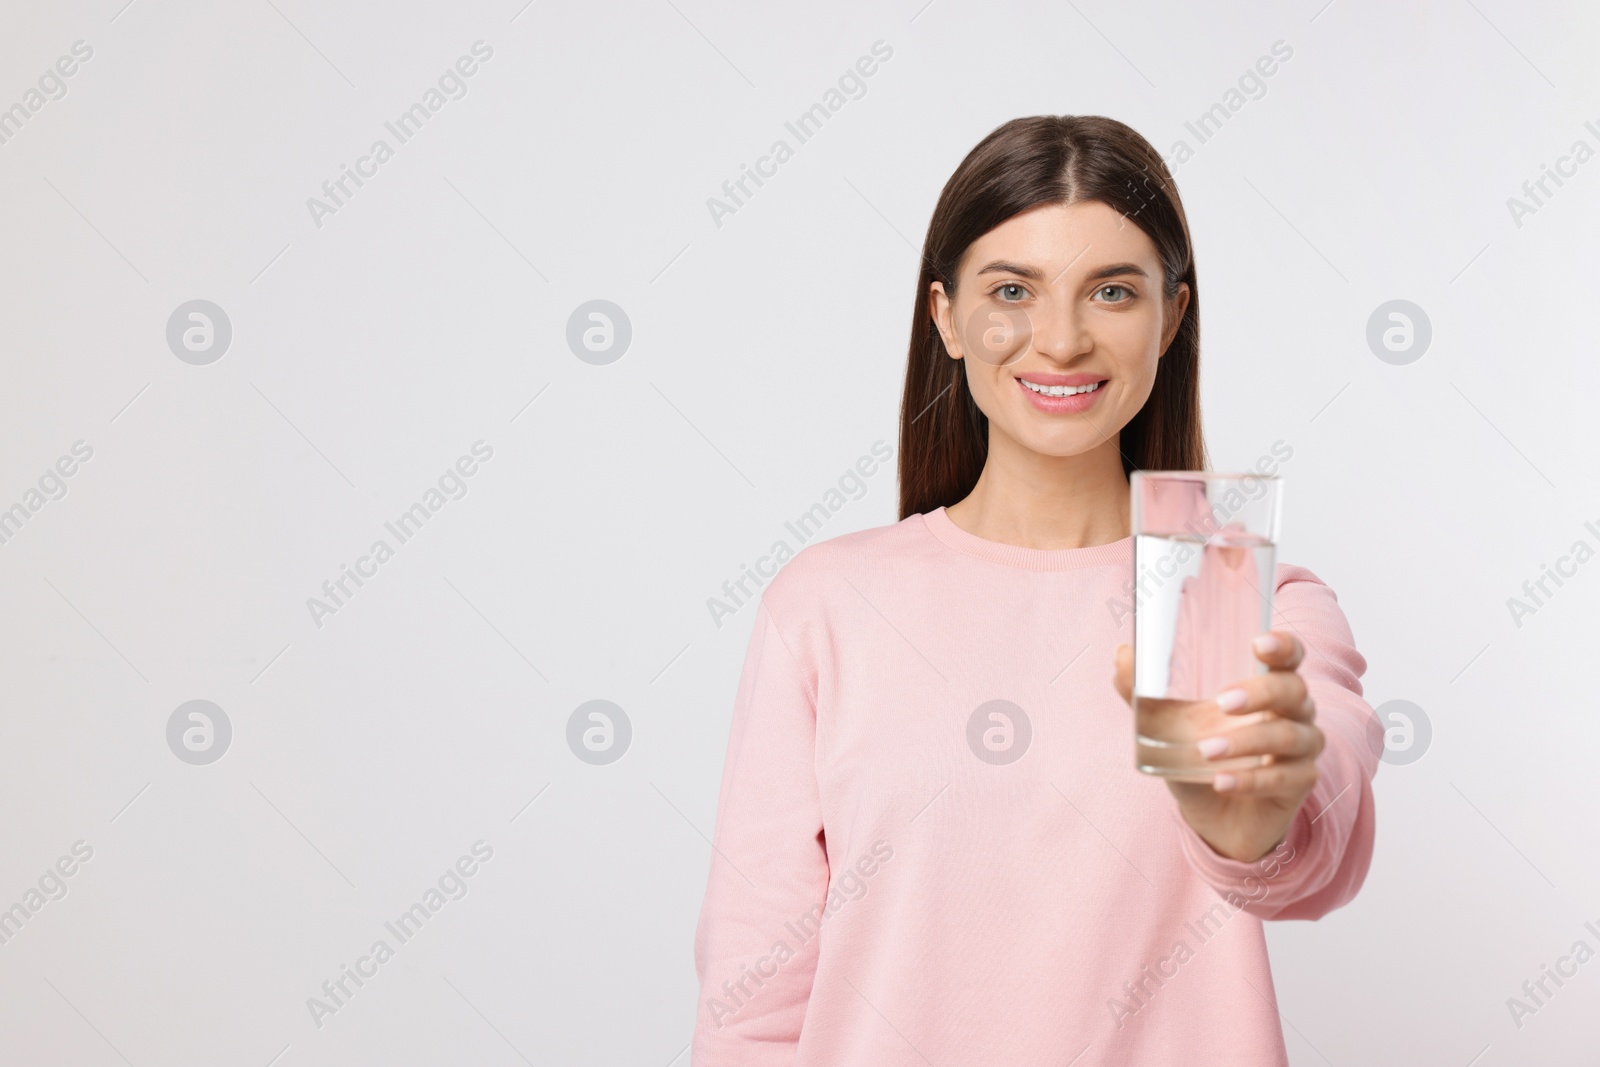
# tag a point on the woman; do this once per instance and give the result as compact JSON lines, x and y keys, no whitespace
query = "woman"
{"x":932,"y":846}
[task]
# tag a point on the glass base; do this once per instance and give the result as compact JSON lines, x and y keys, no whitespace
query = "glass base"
{"x":1181,"y":761}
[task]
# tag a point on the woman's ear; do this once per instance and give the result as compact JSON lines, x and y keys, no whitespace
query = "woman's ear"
{"x":939,"y":310}
{"x":1175,"y":310}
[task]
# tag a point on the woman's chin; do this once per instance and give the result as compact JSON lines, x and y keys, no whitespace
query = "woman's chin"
{"x":1057,"y":442}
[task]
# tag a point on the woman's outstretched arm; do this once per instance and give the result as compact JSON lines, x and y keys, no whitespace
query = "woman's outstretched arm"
{"x":1324,"y":857}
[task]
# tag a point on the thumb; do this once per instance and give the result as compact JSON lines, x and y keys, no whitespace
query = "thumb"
{"x":1123,"y":678}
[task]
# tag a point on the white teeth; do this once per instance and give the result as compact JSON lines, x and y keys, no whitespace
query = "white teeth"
{"x":1060,"y":390}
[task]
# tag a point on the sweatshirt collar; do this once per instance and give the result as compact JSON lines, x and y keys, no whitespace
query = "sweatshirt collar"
{"x":944,"y":528}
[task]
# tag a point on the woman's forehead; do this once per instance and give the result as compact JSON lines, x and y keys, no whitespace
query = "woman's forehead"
{"x":1054,"y":238}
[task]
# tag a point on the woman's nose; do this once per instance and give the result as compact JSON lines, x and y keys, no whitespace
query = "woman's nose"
{"x":1060,"y":330}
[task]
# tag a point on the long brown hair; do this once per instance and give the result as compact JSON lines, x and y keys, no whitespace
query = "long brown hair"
{"x":944,"y":437}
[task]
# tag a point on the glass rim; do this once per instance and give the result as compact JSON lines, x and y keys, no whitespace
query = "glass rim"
{"x":1209,"y":476}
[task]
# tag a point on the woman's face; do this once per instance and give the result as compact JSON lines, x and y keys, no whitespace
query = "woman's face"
{"x":1053,"y":300}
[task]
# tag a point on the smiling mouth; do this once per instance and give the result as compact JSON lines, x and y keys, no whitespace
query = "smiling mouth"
{"x":1060,"y":390}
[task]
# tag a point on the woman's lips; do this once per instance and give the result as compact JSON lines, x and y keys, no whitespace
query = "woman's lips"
{"x":1062,"y":405}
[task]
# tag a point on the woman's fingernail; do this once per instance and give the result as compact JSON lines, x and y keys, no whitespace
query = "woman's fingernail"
{"x":1224,"y":782}
{"x":1266,"y":644}
{"x":1212,"y":747}
{"x":1232,"y":699}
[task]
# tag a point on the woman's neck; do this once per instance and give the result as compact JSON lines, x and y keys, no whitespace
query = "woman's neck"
{"x":1036,"y":501}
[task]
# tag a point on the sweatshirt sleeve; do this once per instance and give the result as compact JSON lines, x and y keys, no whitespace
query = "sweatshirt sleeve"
{"x":1324,"y":858}
{"x":768,"y":864}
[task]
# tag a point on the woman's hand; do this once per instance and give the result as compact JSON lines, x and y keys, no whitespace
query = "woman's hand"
{"x":1245,"y":814}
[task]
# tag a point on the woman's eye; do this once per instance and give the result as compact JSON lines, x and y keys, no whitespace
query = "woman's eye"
{"x":1116,"y":289}
{"x":1006,"y":291}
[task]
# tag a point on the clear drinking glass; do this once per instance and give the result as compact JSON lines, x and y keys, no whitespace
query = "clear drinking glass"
{"x":1203,"y":566}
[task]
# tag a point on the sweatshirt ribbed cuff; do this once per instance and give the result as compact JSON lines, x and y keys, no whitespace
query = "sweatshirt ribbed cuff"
{"x":1247,"y":879}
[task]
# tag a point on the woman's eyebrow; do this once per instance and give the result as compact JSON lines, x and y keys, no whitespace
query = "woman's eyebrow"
{"x":1117,"y":269}
{"x":1000,"y":266}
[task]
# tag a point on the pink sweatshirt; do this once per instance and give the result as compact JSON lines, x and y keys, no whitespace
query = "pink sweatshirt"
{"x":932,"y":846}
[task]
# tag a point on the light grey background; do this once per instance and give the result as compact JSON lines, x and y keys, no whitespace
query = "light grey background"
{"x":767,"y":354}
